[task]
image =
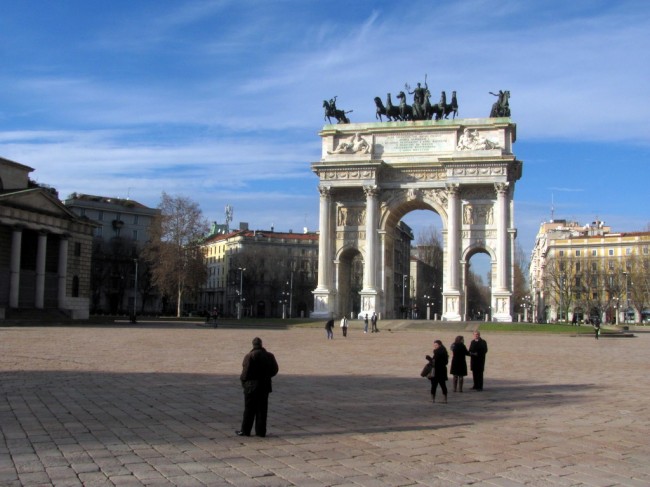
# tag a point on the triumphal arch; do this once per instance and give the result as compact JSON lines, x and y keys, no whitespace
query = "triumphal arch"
{"x":372,"y":174}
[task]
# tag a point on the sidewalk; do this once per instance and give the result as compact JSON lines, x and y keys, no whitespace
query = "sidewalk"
{"x":159,"y":406}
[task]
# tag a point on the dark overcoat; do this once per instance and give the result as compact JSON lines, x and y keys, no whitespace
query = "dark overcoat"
{"x":458,"y":362}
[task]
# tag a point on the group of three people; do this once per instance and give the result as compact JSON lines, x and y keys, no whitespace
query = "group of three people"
{"x":440,"y":358}
{"x":260,"y":366}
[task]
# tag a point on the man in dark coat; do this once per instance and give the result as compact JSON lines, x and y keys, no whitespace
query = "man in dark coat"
{"x":258,"y":368}
{"x":477,"y":350}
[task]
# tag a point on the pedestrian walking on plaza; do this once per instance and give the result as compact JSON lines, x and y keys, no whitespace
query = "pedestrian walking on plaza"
{"x":365,"y":324}
{"x":329,"y":327}
{"x":344,"y":326}
{"x":477,"y":351}
{"x":439,"y":360}
{"x":458,"y":362}
{"x":258,"y":368}
{"x":597,"y":329}
{"x":373,"y":320}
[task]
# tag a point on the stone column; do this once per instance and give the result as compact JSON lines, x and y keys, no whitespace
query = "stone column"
{"x":324,"y":239}
{"x":502,"y":235}
{"x":323,"y":302}
{"x":63,"y":270}
{"x":452,"y":294}
{"x":41,"y":251}
{"x":453,"y":235}
{"x":370,"y":264}
{"x":14,"y":267}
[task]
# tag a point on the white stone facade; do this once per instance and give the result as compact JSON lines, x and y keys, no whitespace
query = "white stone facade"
{"x":372,"y":174}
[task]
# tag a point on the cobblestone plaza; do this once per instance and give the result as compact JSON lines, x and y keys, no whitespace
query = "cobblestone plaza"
{"x":152,"y":404}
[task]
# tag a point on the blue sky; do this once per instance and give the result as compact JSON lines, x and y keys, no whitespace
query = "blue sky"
{"x":221,"y":100}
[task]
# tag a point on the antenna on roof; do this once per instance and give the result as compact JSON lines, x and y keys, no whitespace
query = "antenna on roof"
{"x":228,"y":217}
{"x":552,"y":206}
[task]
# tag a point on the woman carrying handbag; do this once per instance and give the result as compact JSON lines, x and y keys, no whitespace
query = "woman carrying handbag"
{"x":439,"y":361}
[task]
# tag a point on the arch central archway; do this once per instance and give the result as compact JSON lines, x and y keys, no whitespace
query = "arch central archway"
{"x":371,"y":175}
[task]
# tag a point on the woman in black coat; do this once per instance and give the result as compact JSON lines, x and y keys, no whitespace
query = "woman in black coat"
{"x":439,"y":361}
{"x":458,"y":363}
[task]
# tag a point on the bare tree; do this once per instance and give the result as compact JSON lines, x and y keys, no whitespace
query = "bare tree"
{"x":177,"y":264}
{"x":560,"y":283}
{"x":520,"y":283}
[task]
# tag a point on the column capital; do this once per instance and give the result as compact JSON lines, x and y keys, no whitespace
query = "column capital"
{"x":325,"y":190}
{"x":371,"y":190}
{"x":501,"y":188}
{"x":453,"y":189}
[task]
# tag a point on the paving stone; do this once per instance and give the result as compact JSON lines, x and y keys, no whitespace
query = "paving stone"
{"x":158,"y":405}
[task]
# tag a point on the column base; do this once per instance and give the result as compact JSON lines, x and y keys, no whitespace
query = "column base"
{"x":323,"y":303}
{"x":451,"y":300}
{"x":369,"y":303}
{"x":501,"y":307}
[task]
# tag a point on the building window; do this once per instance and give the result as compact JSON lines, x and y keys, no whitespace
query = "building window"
{"x":135,"y":219}
{"x":577,"y":253}
{"x":645,"y":250}
{"x":610,"y":252}
{"x":628,"y":251}
{"x":577,"y":266}
{"x":98,"y":232}
{"x":594,"y":253}
{"x":100,"y":215}
{"x":77,"y":249}
{"x":75,"y":287}
{"x":135,"y":235}
{"x":561,"y":253}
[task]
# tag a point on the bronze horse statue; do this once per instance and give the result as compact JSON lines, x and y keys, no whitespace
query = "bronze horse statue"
{"x":501,"y":108}
{"x":452,"y":107}
{"x":390,"y":111}
{"x":332,"y":111}
{"x":405,"y":111}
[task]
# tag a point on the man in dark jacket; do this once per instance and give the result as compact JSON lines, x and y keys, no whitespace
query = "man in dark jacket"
{"x":477,"y":350}
{"x":258,"y":368}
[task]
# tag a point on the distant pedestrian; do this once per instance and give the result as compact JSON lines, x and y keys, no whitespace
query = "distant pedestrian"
{"x":329,"y":326}
{"x":258,"y":368}
{"x":373,"y":321}
{"x":439,"y":360}
{"x":477,"y":351}
{"x":458,"y":362}
{"x":344,"y":326}
{"x":596,"y":329}
{"x":365,"y":324}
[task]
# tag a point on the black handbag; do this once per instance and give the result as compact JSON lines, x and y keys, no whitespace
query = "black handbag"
{"x":427,"y":371}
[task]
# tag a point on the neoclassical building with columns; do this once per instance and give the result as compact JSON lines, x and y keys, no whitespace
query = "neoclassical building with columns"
{"x":373,"y":174}
{"x":45,"y":249}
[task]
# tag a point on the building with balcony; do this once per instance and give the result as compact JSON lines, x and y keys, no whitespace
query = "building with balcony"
{"x":588,"y":273}
{"x":259,"y":273}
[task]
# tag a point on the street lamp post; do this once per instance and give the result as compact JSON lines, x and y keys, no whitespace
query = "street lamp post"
{"x":241,"y":291}
{"x":135,"y":292}
{"x":627,"y":298}
{"x":404,"y":294}
{"x":428,"y":300}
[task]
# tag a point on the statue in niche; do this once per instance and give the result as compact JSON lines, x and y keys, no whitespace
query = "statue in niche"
{"x":354,"y":145}
{"x":489,"y":215}
{"x":501,"y":108}
{"x":343,"y":216}
{"x":468,"y":214}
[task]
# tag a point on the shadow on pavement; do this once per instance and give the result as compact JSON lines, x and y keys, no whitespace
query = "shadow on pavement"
{"x":157,"y":408}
